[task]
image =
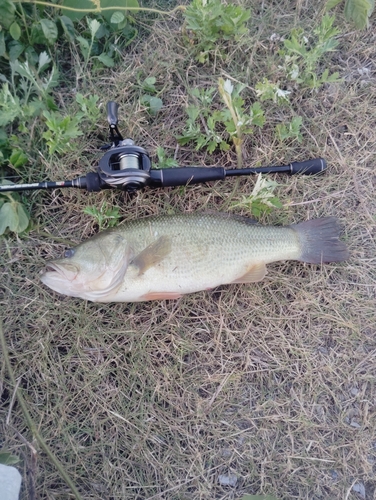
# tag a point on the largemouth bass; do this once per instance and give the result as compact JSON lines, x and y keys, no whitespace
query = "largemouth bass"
{"x":165,"y":257}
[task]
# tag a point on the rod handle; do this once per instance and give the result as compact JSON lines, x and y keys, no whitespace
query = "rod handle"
{"x":182,"y":176}
{"x":309,"y":167}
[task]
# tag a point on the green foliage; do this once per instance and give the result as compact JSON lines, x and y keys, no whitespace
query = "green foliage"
{"x":266,"y":90}
{"x":118,"y":7}
{"x":210,"y":21}
{"x":262,"y":199}
{"x":105,"y":216}
{"x":301,"y":58}
{"x":202,"y":122}
{"x":290,"y":130}
{"x":212,"y":128}
{"x":163,"y":160}
{"x":356,"y":11}
{"x":152,"y":103}
{"x":150,"y":98}
{"x":6,"y":458}
{"x":61,"y":131}
{"x":90,"y":110}
{"x":13,"y":215}
{"x":235,"y":118}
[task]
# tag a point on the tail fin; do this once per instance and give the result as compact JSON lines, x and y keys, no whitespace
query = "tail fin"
{"x":320,"y":241}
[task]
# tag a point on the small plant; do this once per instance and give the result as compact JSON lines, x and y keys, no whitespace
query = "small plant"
{"x":90,"y":111}
{"x":290,"y":130}
{"x":105,"y":216}
{"x":301,"y":58}
{"x":149,"y":99}
{"x":13,"y":215}
{"x":61,"y":131}
{"x":107,"y":34}
{"x":214,"y":128}
{"x":235,"y":118}
{"x":163,"y":160}
{"x":357,"y":11}
{"x":266,"y":90}
{"x":207,"y":22}
{"x":201,"y":116}
{"x":262,"y":199}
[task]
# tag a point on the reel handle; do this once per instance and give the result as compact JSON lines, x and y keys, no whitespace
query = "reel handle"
{"x":112,"y":113}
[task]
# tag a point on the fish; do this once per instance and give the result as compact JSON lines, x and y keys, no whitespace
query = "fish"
{"x":167,"y":256}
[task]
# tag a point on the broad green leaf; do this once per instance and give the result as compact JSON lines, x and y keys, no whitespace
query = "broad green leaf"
{"x":18,"y":158}
{"x":117,"y":17}
{"x":31,"y":56}
{"x":7,"y":11}
{"x":106,"y":60}
{"x":49,"y":30}
{"x":15,"y":31}
{"x":14,"y":216}
{"x":330,"y":4}
{"x":82,"y":4}
{"x":359,"y":11}
{"x":37,"y":35}
{"x":6,"y":458}
{"x":155,"y":105}
{"x":107,"y":14}
{"x":148,"y":84}
{"x":84,"y":45}
{"x":15,"y":49}
{"x":68,"y":27}
{"x":90,"y":5}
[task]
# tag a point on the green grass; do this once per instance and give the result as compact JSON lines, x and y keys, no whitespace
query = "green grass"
{"x":274,"y":381}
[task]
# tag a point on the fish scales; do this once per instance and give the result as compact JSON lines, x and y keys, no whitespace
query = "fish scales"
{"x":168,"y":256}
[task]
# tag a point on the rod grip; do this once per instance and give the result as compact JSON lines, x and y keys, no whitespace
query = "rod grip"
{"x":112,"y":112}
{"x":190,"y":175}
{"x":309,"y":167}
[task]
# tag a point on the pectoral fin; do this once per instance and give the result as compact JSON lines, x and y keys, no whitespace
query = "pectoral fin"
{"x":254,"y":273}
{"x":152,"y":254}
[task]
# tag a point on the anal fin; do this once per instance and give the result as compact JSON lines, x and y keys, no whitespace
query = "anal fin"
{"x":160,"y":296}
{"x":256,"y":272}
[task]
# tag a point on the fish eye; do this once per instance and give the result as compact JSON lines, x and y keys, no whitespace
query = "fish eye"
{"x":69,"y":253}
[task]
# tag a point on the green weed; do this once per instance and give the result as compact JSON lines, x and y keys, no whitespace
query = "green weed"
{"x":262,"y":199}
{"x":356,"y":11}
{"x":302,"y":57}
{"x":290,"y":130}
{"x":211,"y":128}
{"x":13,"y":215}
{"x":163,"y":160}
{"x":104,"y":216}
{"x":208,"y":22}
{"x":149,"y":97}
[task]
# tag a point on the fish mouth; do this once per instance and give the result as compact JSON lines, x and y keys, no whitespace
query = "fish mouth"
{"x":63,"y":271}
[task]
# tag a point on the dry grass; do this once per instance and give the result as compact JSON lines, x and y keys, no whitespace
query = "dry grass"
{"x":272,"y":382}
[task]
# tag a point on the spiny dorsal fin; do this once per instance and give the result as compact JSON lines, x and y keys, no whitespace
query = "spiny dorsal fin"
{"x":152,"y":254}
{"x":255,"y":273}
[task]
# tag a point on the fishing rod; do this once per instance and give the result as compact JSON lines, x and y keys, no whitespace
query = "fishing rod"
{"x":128,"y":167}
